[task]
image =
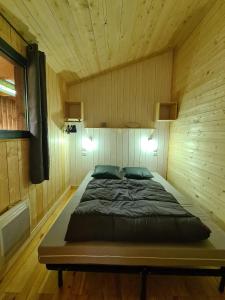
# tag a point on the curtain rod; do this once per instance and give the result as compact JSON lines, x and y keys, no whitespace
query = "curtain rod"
{"x":19,"y":34}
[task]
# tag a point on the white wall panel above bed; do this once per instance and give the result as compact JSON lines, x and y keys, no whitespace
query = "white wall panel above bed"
{"x":123,"y":147}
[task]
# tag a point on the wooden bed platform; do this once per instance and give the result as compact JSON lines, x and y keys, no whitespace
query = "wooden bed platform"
{"x":205,"y":258}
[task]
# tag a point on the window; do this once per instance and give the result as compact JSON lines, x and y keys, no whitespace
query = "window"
{"x":13,"y":106}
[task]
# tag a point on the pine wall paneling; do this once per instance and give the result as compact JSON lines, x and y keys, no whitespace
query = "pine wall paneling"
{"x":117,"y":147}
{"x":126,"y":95}
{"x":14,"y":154}
{"x":8,"y":113}
{"x":196,"y":164}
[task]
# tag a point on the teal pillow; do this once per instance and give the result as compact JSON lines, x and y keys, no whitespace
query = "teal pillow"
{"x":107,"y":172}
{"x":137,"y":173}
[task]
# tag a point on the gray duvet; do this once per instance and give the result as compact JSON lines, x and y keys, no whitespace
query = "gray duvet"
{"x":132,"y":211}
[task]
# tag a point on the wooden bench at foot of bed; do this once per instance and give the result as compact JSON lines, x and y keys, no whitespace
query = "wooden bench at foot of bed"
{"x":205,"y":258}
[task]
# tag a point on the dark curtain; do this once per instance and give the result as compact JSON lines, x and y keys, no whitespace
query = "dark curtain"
{"x":37,"y":106}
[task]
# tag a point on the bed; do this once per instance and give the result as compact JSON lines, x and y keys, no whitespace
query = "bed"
{"x":132,"y":210}
{"x":206,"y":258}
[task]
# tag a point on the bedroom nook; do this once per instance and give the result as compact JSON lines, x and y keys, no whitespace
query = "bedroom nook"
{"x":112,"y":149}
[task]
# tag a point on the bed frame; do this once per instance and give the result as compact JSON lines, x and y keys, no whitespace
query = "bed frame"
{"x":200,"y":259}
{"x":143,"y":271}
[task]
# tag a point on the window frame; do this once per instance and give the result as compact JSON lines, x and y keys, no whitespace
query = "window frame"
{"x":22,"y":61}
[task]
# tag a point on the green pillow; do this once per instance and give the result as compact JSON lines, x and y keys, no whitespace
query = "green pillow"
{"x":137,"y":173}
{"x":107,"y":172}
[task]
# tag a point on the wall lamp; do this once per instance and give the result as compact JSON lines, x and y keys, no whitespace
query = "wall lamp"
{"x":148,"y":144}
{"x":88,"y":144}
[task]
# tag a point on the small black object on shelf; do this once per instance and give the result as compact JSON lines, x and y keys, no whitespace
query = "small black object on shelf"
{"x":71,"y":129}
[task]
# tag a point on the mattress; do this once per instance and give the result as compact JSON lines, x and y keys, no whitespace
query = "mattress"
{"x":133,"y":211}
{"x":54,"y":249}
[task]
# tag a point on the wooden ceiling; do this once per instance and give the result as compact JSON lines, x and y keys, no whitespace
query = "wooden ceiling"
{"x":87,"y":37}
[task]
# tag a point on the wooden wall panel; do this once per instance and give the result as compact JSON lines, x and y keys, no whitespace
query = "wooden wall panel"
{"x":9,"y":35}
{"x":14,"y":154}
{"x":118,"y":147}
{"x":23,"y":154}
{"x":4,"y":180}
{"x":122,"y":96}
{"x":13,"y":171}
{"x":127,"y":94}
{"x":9,"y":114}
{"x":196,"y":162}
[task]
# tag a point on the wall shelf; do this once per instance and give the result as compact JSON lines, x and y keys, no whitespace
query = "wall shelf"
{"x":74,"y":111}
{"x":140,"y":128}
{"x":166,"y":111}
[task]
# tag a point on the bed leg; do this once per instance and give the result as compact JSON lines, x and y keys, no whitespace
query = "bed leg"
{"x":222,"y":281}
{"x":222,"y":284}
{"x":60,"y":278}
{"x":144,"y":275}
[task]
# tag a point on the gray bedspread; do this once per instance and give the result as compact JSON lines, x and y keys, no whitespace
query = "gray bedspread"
{"x":133,"y":211}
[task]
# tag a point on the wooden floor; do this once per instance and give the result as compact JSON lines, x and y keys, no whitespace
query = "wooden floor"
{"x":30,"y":280}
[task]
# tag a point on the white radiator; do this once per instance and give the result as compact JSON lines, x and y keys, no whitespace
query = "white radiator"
{"x":14,"y":230}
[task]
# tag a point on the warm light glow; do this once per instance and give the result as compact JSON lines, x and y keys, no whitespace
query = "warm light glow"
{"x":149,"y":144}
{"x":88,"y":144}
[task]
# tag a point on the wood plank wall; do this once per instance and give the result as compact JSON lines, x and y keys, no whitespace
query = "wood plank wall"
{"x":122,"y":147}
{"x":8,"y":113}
{"x":196,"y":163}
{"x":127,"y":94}
{"x":118,"y":97}
{"x":14,"y":178}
